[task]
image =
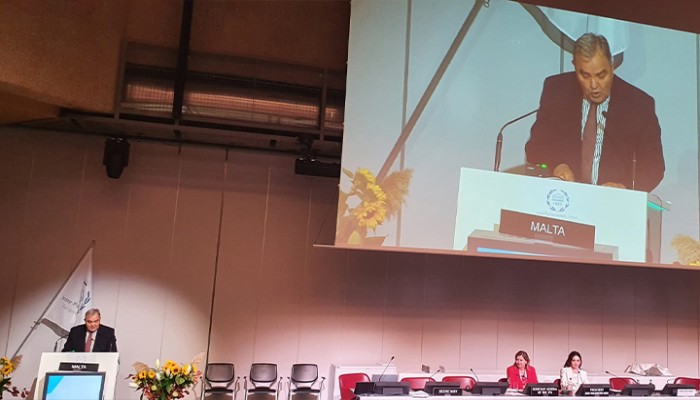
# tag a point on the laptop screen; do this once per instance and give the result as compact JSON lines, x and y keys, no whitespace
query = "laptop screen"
{"x":74,"y":385}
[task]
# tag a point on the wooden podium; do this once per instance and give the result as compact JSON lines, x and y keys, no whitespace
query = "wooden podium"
{"x":107,"y":363}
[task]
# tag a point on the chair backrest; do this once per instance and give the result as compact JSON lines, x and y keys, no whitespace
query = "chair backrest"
{"x":263,"y":374}
{"x":557,"y":382}
{"x":304,"y":374}
{"x":346,"y":383}
{"x":619,"y":383}
{"x":688,"y":381}
{"x":503,"y":380}
{"x":465,"y":382}
{"x":219,"y":374}
{"x":417,"y":382}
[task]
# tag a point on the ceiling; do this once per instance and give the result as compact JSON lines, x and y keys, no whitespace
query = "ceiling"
{"x":65,"y":66}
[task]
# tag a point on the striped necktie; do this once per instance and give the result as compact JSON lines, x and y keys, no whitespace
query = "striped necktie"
{"x":590,"y":133}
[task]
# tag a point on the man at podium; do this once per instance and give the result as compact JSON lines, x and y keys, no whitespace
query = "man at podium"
{"x":593,"y":127}
{"x":91,"y":337}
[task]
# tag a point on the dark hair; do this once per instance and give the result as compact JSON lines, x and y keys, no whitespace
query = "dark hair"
{"x":572,"y":355}
{"x":524,"y":355}
{"x":589,"y":43}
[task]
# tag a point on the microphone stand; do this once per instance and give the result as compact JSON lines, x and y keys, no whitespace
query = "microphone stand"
{"x":499,"y":139}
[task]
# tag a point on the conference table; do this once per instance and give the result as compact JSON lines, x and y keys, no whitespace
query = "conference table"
{"x":483,"y":375}
{"x":474,"y":397}
{"x":550,"y":376}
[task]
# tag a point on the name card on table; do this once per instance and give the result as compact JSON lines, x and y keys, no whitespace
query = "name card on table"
{"x":549,"y":229}
{"x":593,"y":389}
{"x":541,"y":389}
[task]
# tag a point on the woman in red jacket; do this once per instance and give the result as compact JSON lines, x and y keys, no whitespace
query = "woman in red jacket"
{"x":521,"y":372}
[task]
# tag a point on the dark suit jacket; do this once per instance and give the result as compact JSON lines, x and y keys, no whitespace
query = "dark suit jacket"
{"x":105,"y":340}
{"x":631,"y":128}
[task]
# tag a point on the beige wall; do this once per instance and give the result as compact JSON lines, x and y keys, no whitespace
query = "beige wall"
{"x":176,"y":212}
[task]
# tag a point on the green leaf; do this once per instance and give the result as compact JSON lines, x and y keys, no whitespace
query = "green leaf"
{"x":349,"y":173}
{"x":355,"y":238}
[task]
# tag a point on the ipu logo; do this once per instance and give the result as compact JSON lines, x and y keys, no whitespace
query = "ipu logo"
{"x":558,"y":200}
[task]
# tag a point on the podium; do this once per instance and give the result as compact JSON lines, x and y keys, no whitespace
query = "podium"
{"x":614,"y":224}
{"x":106,"y":362}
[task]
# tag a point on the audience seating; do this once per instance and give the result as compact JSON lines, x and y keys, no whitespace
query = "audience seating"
{"x":347,"y":384}
{"x":465,"y":382}
{"x":619,"y":383}
{"x":218,"y":378}
{"x":417,"y":382}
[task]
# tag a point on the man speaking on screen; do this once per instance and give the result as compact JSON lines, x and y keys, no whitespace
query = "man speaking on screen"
{"x":593,"y":127}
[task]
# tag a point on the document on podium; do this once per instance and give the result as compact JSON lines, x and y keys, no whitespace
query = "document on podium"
{"x":515,"y":214}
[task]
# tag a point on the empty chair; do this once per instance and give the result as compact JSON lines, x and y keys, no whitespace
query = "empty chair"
{"x":465,"y":382}
{"x":417,"y":382}
{"x":619,"y":383}
{"x":688,"y":381}
{"x":262,"y":379}
{"x":302,"y":381}
{"x":218,"y":378}
{"x":347,"y":382}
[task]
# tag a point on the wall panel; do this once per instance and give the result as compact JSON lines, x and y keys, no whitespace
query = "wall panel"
{"x":278,"y":298}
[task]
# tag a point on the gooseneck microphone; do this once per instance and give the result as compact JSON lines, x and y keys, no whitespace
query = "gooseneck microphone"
{"x":385,"y":368}
{"x":440,"y":369}
{"x":475,"y":375}
{"x":55,"y":344}
{"x":499,"y":139}
{"x":622,"y":377}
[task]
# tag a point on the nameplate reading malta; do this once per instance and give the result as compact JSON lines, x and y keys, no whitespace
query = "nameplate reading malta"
{"x":548,"y":229}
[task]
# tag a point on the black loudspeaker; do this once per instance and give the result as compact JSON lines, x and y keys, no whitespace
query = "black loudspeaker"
{"x":116,"y":156}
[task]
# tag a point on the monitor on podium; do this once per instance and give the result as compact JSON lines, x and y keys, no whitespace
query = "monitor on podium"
{"x":61,"y":374}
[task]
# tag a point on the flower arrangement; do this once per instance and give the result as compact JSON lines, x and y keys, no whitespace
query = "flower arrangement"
{"x":688,"y":250}
{"x":168,"y":381}
{"x":369,"y":203}
{"x":7,"y":367}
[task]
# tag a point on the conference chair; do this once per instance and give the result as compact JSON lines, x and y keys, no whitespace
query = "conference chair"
{"x":688,"y":381}
{"x":417,"y":382}
{"x":218,"y":378}
{"x":557,"y":382}
{"x":619,"y":383}
{"x":347,"y":382}
{"x":262,"y":377}
{"x":465,"y":382}
{"x":503,"y":380}
{"x":302,"y":381}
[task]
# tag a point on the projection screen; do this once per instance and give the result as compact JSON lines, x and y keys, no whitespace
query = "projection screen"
{"x":432,"y":83}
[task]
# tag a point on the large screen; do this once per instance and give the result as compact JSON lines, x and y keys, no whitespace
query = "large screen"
{"x":461,"y":114}
{"x":74,"y":385}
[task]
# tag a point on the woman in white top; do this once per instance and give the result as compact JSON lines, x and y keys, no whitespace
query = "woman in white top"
{"x":572,"y":376}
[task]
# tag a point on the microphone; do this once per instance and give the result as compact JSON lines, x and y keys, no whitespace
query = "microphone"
{"x":634,"y":170}
{"x":440,"y":369}
{"x":385,"y":368}
{"x":475,"y":375}
{"x":499,"y":139}
{"x":621,"y":377}
{"x":55,"y":344}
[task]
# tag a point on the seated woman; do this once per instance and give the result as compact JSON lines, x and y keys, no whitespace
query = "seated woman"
{"x":572,"y":376}
{"x":521,"y":372}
